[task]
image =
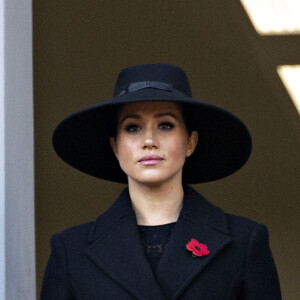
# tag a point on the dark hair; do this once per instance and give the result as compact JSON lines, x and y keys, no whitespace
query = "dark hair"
{"x":185,"y":112}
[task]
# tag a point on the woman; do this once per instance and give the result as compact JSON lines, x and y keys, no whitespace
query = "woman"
{"x":160,"y":239}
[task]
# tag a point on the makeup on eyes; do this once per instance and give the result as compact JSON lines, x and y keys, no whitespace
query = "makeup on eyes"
{"x":132,"y":128}
{"x":135,"y":127}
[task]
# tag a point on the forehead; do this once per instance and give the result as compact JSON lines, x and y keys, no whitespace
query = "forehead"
{"x":149,"y":108}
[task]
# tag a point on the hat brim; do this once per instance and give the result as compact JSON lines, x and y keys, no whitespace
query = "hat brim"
{"x":224,"y":146}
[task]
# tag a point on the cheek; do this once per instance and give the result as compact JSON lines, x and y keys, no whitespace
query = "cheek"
{"x":126,"y":149}
{"x":178,"y":148}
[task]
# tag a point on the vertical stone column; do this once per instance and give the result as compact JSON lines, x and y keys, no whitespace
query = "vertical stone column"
{"x":2,"y":157}
{"x":17,"y":241}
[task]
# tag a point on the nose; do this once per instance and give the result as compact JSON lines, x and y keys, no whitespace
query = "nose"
{"x":150,"y":140}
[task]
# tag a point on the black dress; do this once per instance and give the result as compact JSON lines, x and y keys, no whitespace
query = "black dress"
{"x":154,"y":239}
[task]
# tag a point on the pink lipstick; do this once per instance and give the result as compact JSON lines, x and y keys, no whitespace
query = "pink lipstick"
{"x":150,"y":160}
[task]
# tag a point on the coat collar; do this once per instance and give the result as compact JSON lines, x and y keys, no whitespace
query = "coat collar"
{"x":116,"y":248}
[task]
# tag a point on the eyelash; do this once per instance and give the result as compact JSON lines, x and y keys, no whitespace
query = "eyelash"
{"x":166,"y":125}
{"x":133,"y":128}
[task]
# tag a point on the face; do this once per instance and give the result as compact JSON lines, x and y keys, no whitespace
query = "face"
{"x":152,"y":142}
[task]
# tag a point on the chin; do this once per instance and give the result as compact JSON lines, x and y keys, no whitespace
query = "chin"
{"x":149,"y":181}
{"x":155,"y":180}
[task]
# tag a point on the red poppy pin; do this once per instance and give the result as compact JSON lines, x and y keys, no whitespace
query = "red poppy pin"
{"x":197,"y":248}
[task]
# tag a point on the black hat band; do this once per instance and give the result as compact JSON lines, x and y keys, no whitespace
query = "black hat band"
{"x":136,"y":86}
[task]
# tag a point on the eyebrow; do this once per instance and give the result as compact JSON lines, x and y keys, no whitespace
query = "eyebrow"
{"x":158,"y":115}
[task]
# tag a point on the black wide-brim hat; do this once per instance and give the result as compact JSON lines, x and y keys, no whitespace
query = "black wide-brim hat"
{"x":224,"y":145}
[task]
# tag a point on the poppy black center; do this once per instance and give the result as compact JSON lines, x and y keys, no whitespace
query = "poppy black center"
{"x":197,"y":247}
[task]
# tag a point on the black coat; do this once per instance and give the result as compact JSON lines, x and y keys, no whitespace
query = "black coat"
{"x":104,"y":259}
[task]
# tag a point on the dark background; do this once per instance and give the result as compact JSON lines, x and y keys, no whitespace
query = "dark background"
{"x":79,"y":49}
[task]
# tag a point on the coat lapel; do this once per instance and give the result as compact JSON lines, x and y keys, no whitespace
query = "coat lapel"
{"x":200,"y":220}
{"x":116,"y":249}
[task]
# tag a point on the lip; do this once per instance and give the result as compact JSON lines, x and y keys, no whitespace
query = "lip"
{"x":150,"y":160}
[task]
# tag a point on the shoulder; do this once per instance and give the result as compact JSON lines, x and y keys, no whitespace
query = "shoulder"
{"x":74,"y":237}
{"x":84,"y":234}
{"x":77,"y":230}
{"x":197,"y":208}
{"x":249,"y":235}
{"x":240,"y":225}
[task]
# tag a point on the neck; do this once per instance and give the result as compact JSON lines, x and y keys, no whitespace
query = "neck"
{"x":156,"y":205}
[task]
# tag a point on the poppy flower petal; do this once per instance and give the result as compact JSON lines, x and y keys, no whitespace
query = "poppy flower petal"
{"x":190,"y":245}
{"x":197,"y":248}
{"x":205,"y":252}
{"x":197,"y":252}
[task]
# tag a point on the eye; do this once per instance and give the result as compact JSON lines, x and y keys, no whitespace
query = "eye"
{"x":132,"y":128}
{"x":166,"y":126}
